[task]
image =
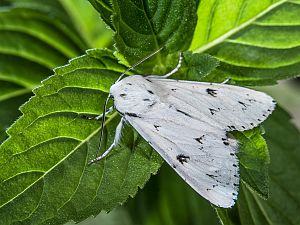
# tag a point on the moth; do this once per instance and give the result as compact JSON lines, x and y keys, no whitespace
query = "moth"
{"x":187,"y":123}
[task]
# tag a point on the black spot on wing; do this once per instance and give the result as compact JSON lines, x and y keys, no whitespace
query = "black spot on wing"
{"x":132,"y":115}
{"x":123,"y":95}
{"x":225,"y":142}
{"x":211,"y":92}
{"x":152,"y":104}
{"x":244,"y":106}
{"x":212,"y":176}
{"x":150,"y":92}
{"x":184,"y":113}
{"x":156,"y":127}
{"x":182,"y":158}
{"x":199,"y":139}
{"x":231,"y":127}
{"x":251,"y":99}
{"x":242,"y":103}
{"x":149,"y":100}
{"x":213,"y":111}
{"x":148,"y":80}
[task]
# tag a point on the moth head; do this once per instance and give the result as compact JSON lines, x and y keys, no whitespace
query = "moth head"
{"x":133,"y":94}
{"x":129,"y":85}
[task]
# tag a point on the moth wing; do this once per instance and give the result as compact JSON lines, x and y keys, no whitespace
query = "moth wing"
{"x":186,"y":123}
{"x":201,"y":154}
{"x":226,"y":106}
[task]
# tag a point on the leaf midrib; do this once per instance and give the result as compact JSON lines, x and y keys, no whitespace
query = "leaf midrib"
{"x":70,"y":153}
{"x":238,"y":28}
{"x":151,"y":28}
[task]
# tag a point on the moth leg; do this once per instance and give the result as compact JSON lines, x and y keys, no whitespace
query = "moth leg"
{"x":226,"y":81}
{"x":176,"y":68}
{"x":99,"y":116}
{"x":173,"y":71}
{"x":116,"y":141}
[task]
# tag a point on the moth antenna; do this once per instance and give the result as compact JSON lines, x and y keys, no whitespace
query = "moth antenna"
{"x":102,"y":122}
{"x":171,"y":72}
{"x":106,"y":102}
{"x":138,"y":63}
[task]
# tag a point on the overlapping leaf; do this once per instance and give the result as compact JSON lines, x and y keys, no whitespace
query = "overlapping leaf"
{"x":168,"y":200}
{"x":254,"y":161}
{"x":144,"y":26}
{"x":104,"y":7}
{"x":35,"y":37}
{"x":44,"y":174}
{"x":283,"y":205}
{"x":257,"y":42}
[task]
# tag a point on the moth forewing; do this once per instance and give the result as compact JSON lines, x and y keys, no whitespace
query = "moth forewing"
{"x":187,"y":123}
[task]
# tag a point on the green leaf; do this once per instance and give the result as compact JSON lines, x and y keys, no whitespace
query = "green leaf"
{"x":254,"y":161}
{"x":28,"y":55}
{"x":283,"y":205}
{"x":168,"y":200}
{"x":229,"y":216}
{"x":258,"y":42}
{"x":44,"y":175}
{"x":104,"y":7}
{"x":197,"y":66}
{"x":144,"y":26}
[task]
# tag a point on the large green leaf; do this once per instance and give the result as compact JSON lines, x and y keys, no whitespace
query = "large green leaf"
{"x":35,"y":37}
{"x":104,"y":7}
{"x":254,"y":161}
{"x":168,"y":200}
{"x":144,"y":26}
{"x":283,"y":205}
{"x":51,"y":138}
{"x":257,"y":42}
{"x":44,"y":176}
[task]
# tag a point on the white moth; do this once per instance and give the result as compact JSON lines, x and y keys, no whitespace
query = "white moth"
{"x":187,"y":123}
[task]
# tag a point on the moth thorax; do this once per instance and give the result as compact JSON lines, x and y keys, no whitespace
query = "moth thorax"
{"x":133,"y":94}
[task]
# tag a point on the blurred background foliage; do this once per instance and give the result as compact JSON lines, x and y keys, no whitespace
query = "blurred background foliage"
{"x":61,"y":28}
{"x":166,"y":199}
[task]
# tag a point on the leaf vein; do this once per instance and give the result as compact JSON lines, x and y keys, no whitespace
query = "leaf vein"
{"x":237,"y":29}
